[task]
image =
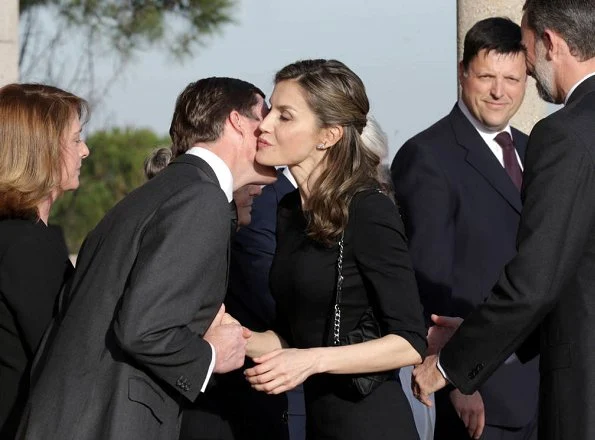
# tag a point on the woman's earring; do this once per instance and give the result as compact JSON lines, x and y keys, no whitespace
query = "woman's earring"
{"x":321,"y":147}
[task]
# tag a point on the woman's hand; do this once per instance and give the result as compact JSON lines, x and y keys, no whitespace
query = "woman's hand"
{"x":282,"y":370}
{"x":261,"y":343}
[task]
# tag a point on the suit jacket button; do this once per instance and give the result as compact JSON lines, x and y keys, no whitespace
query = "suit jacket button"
{"x":284,"y":417}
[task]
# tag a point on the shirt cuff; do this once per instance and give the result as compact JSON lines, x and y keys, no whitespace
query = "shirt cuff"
{"x":211,"y":368}
{"x":442,"y":369}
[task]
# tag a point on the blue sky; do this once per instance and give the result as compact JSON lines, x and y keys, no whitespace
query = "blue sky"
{"x":405,"y":52}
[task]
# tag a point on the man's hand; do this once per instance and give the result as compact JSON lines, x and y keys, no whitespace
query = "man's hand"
{"x":440,"y":333}
{"x":228,"y":319}
{"x":470,"y":410}
{"x":244,"y":197}
{"x":426,"y":379}
{"x":229,"y":341}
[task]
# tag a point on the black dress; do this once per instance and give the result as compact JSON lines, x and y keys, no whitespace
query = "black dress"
{"x":377,"y":271}
{"x":34,"y":265}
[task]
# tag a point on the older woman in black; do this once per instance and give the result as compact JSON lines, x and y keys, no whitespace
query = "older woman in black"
{"x":41,"y":151}
{"x":318,"y":114}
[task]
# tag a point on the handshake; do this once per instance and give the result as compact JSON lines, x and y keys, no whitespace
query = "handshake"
{"x":229,"y":340}
{"x":427,"y":378}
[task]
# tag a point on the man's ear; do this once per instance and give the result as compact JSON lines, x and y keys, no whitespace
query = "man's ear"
{"x":235,"y":119}
{"x":461,"y":72}
{"x":551,"y":42}
{"x":332,"y":135}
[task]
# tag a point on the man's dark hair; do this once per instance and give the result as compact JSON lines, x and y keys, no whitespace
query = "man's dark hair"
{"x":574,"y":20}
{"x":203,"y":106}
{"x":498,"y":34}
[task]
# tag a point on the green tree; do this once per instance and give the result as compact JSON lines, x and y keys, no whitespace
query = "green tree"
{"x":110,"y":32}
{"x":112,"y":170}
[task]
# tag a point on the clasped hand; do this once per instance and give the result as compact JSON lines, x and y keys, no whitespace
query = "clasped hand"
{"x":427,"y":378}
{"x":282,"y":370}
{"x":229,"y":339}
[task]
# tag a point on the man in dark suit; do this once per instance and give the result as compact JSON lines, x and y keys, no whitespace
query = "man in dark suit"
{"x":140,"y":334}
{"x":461,"y":208}
{"x":251,"y":414}
{"x":255,"y":414}
{"x":550,"y":283}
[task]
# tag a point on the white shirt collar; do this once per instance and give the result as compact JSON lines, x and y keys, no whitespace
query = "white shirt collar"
{"x":220,"y":168}
{"x":486,"y":134}
{"x":576,"y":85}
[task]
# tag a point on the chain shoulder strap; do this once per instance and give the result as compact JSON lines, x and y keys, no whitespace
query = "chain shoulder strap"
{"x":337,"y":320}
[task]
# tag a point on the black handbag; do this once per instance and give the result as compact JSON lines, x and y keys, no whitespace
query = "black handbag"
{"x":366,"y":329}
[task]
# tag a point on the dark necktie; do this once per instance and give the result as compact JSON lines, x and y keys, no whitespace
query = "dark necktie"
{"x":511,"y":164}
{"x":233,"y":213}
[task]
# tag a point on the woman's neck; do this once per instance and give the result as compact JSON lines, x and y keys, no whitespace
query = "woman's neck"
{"x":43,"y":208}
{"x":306,"y":175}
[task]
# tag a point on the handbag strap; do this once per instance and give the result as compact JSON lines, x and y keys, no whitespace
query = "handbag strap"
{"x":337,"y":320}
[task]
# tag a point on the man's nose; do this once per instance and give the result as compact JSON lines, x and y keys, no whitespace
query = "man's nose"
{"x":497,"y":89}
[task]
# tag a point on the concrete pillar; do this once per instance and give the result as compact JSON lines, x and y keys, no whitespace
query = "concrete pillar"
{"x":470,"y":12}
{"x":9,"y":41}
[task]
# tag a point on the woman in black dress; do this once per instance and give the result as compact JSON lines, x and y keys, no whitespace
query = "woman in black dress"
{"x":40,"y":157}
{"x":318,"y":113}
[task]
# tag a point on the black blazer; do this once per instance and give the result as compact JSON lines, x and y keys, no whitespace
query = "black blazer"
{"x":461,"y":211}
{"x":34,"y":265}
{"x":149,"y":280}
{"x":550,"y":282}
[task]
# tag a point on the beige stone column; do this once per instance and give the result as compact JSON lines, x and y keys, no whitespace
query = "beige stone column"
{"x":470,"y":12}
{"x":9,"y":41}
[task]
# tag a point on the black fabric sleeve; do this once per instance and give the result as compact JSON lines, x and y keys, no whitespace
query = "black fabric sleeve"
{"x":380,"y":250}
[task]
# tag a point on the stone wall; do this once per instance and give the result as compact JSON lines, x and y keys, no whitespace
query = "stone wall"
{"x":9,"y":41}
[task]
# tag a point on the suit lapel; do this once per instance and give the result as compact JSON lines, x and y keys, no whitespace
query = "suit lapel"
{"x":482,"y":159}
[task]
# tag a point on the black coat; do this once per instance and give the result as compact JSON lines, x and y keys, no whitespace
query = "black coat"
{"x":550,"y":282}
{"x":34,"y":265}
{"x":461,"y":212}
{"x":149,"y":280}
